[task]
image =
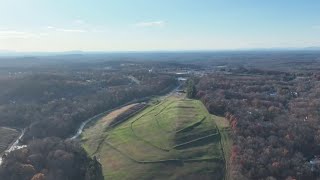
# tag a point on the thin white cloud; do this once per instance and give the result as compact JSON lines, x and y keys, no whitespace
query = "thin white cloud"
{"x":98,"y":30}
{"x":71,"y":30}
{"x":7,"y":34}
{"x":66,"y":30}
{"x":151,"y":24}
{"x":79,"y":21}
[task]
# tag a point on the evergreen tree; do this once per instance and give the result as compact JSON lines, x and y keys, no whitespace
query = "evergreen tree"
{"x":191,"y":89}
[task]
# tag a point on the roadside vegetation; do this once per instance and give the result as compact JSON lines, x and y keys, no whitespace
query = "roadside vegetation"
{"x":7,"y":136}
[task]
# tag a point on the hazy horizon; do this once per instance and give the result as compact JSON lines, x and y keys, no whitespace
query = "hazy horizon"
{"x":124,"y":25}
{"x":271,"y":49}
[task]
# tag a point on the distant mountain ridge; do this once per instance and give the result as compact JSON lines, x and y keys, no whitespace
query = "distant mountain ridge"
{"x":17,"y":53}
{"x":10,"y":53}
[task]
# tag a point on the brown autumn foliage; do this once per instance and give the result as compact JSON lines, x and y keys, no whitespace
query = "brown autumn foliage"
{"x":274,"y":117}
{"x":50,"y":159}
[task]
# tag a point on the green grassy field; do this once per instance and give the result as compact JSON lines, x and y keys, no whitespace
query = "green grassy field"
{"x":7,"y":136}
{"x":174,"y":139}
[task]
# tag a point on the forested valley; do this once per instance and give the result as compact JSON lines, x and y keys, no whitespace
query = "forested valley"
{"x":271,"y":101}
{"x":51,"y":103}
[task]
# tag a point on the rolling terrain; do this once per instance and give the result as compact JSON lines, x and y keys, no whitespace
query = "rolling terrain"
{"x":170,"y":139}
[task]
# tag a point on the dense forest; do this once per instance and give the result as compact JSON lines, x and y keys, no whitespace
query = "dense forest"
{"x":50,"y":159}
{"x":274,"y":118}
{"x":56,"y":104}
{"x":51,"y":103}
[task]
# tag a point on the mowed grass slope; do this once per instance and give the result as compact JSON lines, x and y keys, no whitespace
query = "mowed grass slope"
{"x":7,"y":136}
{"x":174,"y":139}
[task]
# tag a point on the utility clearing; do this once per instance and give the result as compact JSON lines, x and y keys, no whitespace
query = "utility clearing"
{"x":175,"y":138}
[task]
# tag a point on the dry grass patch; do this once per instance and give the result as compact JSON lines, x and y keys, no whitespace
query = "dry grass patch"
{"x":108,"y":118}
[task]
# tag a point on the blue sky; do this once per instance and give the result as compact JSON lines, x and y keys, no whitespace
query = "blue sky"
{"x":142,"y":25}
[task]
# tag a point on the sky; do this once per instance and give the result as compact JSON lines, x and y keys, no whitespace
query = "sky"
{"x":151,"y":25}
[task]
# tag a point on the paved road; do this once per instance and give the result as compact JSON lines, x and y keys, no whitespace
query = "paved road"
{"x":80,"y":130}
{"x":15,"y":145}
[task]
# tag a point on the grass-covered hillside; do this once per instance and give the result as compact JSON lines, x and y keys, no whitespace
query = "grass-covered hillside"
{"x":172,"y":139}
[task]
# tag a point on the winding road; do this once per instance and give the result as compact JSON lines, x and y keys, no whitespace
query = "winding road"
{"x":15,"y":145}
{"x":83,"y":124}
